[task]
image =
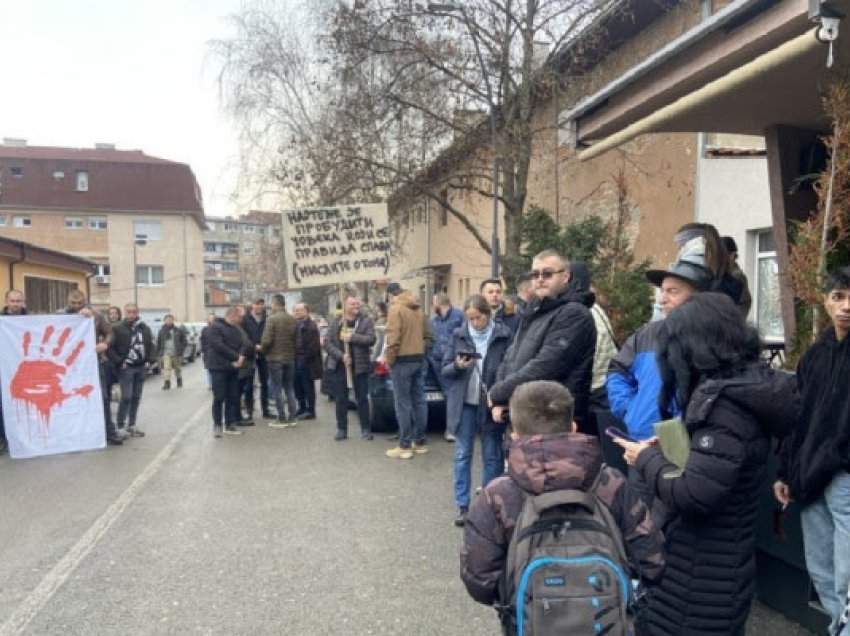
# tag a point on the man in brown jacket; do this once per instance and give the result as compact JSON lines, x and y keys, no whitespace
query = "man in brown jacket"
{"x":278,"y":346}
{"x":405,"y":355}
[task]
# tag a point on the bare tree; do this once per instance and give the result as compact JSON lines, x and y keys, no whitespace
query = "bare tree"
{"x":396,"y":97}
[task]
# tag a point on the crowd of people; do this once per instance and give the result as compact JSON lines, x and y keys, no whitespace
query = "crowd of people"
{"x":530,"y":375}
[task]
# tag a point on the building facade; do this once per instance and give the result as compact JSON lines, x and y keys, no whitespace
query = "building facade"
{"x":138,"y":218}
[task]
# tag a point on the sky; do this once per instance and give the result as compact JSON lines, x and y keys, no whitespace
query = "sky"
{"x":136,"y":73}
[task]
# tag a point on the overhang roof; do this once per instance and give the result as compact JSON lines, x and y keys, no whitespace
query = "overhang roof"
{"x":44,"y":256}
{"x":764,"y":69}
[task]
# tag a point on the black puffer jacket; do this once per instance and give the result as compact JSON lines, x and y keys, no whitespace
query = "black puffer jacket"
{"x":223,"y":344}
{"x":555,"y":341}
{"x":709,"y":582}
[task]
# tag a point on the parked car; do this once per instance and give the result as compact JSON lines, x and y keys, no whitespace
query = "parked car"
{"x":381,"y":392}
{"x":193,"y":345}
{"x":154,"y":327}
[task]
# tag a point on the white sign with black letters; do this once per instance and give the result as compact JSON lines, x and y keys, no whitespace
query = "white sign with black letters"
{"x":326,"y":246}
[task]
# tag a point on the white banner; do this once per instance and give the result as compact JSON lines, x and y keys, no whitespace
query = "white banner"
{"x":327,"y":246}
{"x":51,"y":385}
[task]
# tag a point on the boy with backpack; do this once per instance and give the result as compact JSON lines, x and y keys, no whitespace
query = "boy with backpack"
{"x":556,"y":543}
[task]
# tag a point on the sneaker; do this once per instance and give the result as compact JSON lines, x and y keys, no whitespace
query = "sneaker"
{"x":449,"y":437}
{"x":281,"y":424}
{"x":232,"y":430}
{"x":217,"y":430}
{"x":419,"y":449}
{"x":114,"y":441}
{"x":135,"y":432}
{"x":305,"y":416}
{"x":340,"y":436}
{"x":166,"y":385}
{"x":367,"y":437}
{"x":462,"y":514}
{"x":399,"y":453}
{"x":245,"y":422}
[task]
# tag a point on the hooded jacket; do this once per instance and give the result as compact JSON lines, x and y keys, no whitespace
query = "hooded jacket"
{"x":710,"y":578}
{"x":405,"y":330}
{"x":544,"y":463}
{"x":819,"y":447}
{"x":555,"y":341}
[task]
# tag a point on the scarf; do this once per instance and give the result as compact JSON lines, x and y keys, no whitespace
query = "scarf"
{"x":481,"y":337}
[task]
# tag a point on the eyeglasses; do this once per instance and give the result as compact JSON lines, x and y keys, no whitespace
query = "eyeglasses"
{"x":545,"y":274}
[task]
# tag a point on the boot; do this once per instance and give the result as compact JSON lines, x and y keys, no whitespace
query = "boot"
{"x":167,"y":385}
{"x":179,"y":382}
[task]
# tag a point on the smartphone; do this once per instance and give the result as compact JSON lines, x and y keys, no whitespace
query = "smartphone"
{"x":613,"y":431}
{"x":469,"y":355}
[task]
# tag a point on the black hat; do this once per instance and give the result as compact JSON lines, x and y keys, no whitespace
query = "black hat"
{"x":690,"y":271}
{"x":394,"y":289}
{"x":730,"y":244}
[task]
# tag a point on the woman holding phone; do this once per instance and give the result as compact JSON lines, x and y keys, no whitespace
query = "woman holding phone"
{"x":469,"y":367}
{"x":732,"y":404}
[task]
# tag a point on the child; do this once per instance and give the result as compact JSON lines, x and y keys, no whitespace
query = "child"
{"x":546,"y":454}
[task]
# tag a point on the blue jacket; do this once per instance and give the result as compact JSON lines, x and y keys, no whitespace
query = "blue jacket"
{"x":443,"y":328}
{"x":634,"y":382}
{"x":457,"y":380}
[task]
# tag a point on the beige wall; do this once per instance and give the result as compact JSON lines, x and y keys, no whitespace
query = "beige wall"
{"x":24,"y":269}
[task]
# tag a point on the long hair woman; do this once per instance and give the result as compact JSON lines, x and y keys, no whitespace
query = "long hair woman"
{"x":732,"y":404}
{"x":469,"y":367}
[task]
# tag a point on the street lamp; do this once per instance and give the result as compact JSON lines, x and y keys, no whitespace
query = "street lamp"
{"x":451,"y":7}
{"x":141,"y":241}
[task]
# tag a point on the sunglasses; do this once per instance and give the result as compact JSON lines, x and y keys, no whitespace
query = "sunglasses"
{"x":545,"y":274}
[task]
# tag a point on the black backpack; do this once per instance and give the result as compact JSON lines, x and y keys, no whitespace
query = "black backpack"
{"x":567,"y":571}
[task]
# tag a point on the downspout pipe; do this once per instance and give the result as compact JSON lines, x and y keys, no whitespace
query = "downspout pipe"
{"x":16,"y":262}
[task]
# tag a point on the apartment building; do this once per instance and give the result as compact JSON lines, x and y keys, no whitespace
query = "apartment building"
{"x":243,"y":259}
{"x":138,"y":218}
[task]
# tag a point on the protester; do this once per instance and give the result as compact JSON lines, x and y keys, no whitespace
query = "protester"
{"x":170,"y":346}
{"x":350,"y":339}
{"x":745,"y":302}
{"x":132,"y":353}
{"x":524,"y":293}
{"x":555,"y":339}
{"x":547,"y":455}
{"x":380,"y":313}
{"x":224,"y":353}
{"x":606,"y":348}
{"x":404,"y":353}
{"x":14,"y":306}
{"x":732,"y":403}
{"x":703,"y":240}
{"x":469,"y":366}
{"x":113,"y":315}
{"x":443,"y":323}
{"x":278,"y":346}
{"x":634,"y":380}
{"x":502,"y":310}
{"x":254,"y":322}
{"x":104,"y":335}
{"x":245,"y":373}
{"x":308,"y":362}
{"x":202,"y":341}
{"x":814,"y":469}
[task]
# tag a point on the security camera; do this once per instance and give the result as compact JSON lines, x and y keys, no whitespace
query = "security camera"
{"x":827,"y":31}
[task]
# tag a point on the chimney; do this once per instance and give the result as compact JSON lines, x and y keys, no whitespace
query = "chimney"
{"x":103,"y":146}
{"x":14,"y":142}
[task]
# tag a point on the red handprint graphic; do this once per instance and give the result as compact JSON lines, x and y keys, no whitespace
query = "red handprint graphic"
{"x":38,"y":379}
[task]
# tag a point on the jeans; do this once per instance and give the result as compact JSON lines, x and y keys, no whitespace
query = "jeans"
{"x":305,"y":388}
{"x":132,"y":381}
{"x":411,"y":410}
{"x":492,"y":455}
{"x":826,"y":541}
{"x":280,"y":376}
{"x":225,"y":386}
{"x":361,"y":395}
{"x":263,"y":372}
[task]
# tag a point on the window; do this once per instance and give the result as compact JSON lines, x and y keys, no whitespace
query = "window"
{"x":58,"y":175}
{"x":149,"y":275}
{"x":73,"y":223}
{"x":229,"y":267}
{"x":210,"y":246}
{"x":21,"y":221}
{"x":2,"y":220}
{"x":767,"y":293}
{"x":248,"y":229}
{"x":248,"y":249}
{"x":97,"y":222}
{"x":147,"y":230}
{"x":46,"y":296}
{"x":82,"y":181}
{"x":276,"y":232}
{"x":211,"y":225}
{"x":101,"y":269}
{"x":16,"y":172}
{"x":231,"y":227}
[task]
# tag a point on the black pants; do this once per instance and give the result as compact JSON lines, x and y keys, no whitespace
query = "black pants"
{"x":305,"y":388}
{"x":361,"y":395}
{"x":263,"y":372}
{"x":108,"y":379}
{"x":246,"y":391}
{"x":225,"y":386}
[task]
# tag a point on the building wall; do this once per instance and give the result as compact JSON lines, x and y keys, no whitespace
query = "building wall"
{"x":26,"y":269}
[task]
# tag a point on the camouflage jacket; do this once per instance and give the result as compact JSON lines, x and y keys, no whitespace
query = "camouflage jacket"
{"x":541,"y":463}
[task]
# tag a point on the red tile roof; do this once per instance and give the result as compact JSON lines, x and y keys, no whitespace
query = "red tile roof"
{"x":118,"y":180}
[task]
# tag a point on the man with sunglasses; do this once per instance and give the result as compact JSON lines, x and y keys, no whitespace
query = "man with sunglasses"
{"x":555,"y":340}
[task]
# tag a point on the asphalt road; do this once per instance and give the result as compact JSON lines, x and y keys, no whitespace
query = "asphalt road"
{"x":278,"y":531}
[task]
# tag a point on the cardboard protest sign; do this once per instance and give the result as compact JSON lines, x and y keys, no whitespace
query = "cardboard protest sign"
{"x":327,"y":246}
